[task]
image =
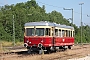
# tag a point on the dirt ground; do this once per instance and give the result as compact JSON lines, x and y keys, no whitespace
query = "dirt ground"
{"x":75,"y":52}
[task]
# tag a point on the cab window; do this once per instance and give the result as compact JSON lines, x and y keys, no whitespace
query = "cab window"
{"x":29,"y":31}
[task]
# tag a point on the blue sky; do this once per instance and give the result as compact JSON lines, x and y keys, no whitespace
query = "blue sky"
{"x":49,"y":4}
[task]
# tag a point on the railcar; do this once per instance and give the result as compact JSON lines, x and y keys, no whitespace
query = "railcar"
{"x":47,"y":36}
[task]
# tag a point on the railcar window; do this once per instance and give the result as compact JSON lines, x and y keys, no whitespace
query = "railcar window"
{"x":67,"y":33}
{"x":71,"y":33}
{"x":60,"y":33}
{"x":63,"y":33}
{"x":29,"y":31}
{"x":53,"y":33}
{"x":56,"y":32}
{"x":47,"y":31}
{"x":40,"y":31}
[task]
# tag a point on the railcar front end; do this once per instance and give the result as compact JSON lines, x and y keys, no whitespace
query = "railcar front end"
{"x":37,"y":37}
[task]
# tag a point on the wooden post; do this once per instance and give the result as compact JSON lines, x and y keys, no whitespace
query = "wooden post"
{"x":1,"y":46}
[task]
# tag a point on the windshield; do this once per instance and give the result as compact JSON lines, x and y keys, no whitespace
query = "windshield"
{"x":30,"y":32}
{"x":38,"y":32}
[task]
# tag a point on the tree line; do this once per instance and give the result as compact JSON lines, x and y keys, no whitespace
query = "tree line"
{"x":30,"y":11}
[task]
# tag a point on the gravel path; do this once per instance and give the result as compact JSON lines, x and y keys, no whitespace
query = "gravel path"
{"x":83,"y":58}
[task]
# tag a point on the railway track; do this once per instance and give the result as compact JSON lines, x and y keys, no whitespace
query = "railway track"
{"x":20,"y":53}
{"x":23,"y":50}
{"x":68,"y":56}
{"x":65,"y":56}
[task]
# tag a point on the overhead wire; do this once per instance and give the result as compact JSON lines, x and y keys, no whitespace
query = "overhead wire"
{"x":50,"y":5}
{"x":61,"y":7}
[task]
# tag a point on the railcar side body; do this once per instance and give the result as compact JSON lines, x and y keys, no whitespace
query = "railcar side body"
{"x":47,"y":36}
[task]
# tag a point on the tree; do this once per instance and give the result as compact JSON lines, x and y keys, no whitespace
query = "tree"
{"x":30,"y":11}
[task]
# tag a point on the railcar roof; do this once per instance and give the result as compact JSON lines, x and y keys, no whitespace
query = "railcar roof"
{"x":41,"y":23}
{"x":45,"y":23}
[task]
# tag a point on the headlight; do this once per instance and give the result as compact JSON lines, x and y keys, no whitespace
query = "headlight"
{"x":25,"y":44}
{"x":40,"y":45}
{"x":29,"y":42}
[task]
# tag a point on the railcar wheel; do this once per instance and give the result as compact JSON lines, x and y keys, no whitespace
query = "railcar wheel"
{"x":69,"y":47}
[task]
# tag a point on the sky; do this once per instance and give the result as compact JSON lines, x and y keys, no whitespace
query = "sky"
{"x":58,"y":5}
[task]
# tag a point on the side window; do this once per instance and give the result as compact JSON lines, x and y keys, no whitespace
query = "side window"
{"x":53,"y":31}
{"x":47,"y":31}
{"x":71,"y":33}
{"x":60,"y":33}
{"x":67,"y":33}
{"x":63,"y":33}
{"x":56,"y":32}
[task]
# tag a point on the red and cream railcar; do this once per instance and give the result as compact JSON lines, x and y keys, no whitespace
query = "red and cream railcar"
{"x":47,"y":36}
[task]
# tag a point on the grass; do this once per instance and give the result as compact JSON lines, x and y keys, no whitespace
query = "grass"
{"x":9,"y":44}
